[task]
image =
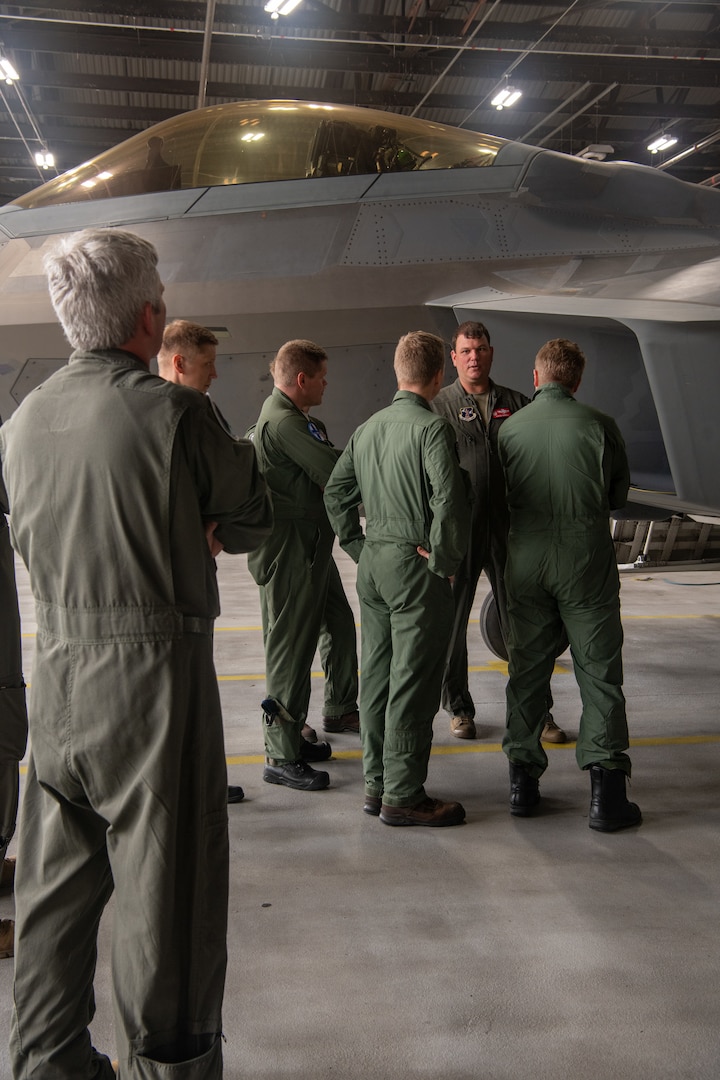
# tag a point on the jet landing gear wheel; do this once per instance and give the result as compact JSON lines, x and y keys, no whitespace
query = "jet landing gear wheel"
{"x":492,"y":635}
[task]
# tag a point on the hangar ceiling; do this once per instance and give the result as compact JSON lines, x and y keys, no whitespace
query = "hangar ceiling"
{"x":612,"y":72}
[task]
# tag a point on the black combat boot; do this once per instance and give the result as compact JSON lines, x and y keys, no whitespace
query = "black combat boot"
{"x":610,"y":809}
{"x":524,"y":791}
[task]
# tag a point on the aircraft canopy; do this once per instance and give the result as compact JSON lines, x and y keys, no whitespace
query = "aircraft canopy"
{"x":257,"y":141}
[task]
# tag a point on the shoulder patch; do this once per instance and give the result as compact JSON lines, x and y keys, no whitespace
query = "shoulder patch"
{"x":316,"y":432}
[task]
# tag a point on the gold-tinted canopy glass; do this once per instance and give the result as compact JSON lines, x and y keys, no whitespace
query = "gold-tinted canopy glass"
{"x":254,"y":141}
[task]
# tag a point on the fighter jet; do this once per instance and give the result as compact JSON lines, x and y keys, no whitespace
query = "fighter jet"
{"x":348,"y":226}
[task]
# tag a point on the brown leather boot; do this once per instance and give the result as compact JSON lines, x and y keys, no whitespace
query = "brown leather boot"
{"x":372,"y":805}
{"x":427,"y":812}
{"x":7,"y":874}
{"x":552,"y":733}
{"x":7,"y":938}
{"x":463,"y":727}
{"x":348,"y":722}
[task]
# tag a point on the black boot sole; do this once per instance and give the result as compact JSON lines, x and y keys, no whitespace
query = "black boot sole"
{"x":608,"y":825}
{"x":281,"y":781}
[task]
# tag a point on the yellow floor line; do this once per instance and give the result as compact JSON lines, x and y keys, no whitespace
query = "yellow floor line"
{"x":625,"y":618}
{"x":496,"y":748}
{"x":484,"y":748}
{"x":499,"y":667}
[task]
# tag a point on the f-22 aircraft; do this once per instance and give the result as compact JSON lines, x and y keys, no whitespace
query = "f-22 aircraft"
{"x":282,"y":219}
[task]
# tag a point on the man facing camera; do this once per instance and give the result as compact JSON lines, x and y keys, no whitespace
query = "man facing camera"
{"x":477,"y":407}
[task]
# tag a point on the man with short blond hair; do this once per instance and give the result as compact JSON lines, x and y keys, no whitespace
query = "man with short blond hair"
{"x":402,"y":465}
{"x":187,"y":355}
{"x":187,"y":358}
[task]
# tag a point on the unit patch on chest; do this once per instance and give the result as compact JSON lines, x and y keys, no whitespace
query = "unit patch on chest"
{"x":467,"y":413}
{"x":501,"y":414}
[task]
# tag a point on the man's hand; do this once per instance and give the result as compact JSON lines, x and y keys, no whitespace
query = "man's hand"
{"x":426,"y":555}
{"x":214,"y":544}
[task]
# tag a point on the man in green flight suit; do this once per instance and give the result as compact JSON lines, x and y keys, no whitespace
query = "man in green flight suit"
{"x":565,"y":469}
{"x":301,"y":595}
{"x":110,"y":476}
{"x":402,"y":465}
{"x":187,"y":357}
{"x":477,"y":407}
{"x":13,"y":723}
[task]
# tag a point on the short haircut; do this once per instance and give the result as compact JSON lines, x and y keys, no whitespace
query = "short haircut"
{"x":181,"y":334}
{"x":294,"y":357}
{"x":471,"y":330}
{"x":100,"y":280}
{"x":561,"y":361}
{"x":419,"y":356}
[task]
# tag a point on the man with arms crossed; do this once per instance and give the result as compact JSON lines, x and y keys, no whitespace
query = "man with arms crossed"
{"x":110,"y":475}
{"x":477,"y":408}
{"x":187,"y":358}
{"x":402,"y":465}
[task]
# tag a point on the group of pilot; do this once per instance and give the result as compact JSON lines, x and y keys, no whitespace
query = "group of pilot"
{"x":122,"y":487}
{"x":452,"y":481}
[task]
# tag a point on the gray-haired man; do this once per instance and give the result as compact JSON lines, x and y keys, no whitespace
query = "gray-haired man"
{"x":110,"y":474}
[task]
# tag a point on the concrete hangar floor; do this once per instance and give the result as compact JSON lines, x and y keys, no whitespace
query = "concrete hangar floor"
{"x":504,"y":949}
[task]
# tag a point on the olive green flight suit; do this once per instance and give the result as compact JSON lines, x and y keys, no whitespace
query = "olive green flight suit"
{"x":566,"y":469}
{"x":477,"y":447}
{"x":109,"y":474}
{"x":302,"y":599}
{"x":402,"y":464}
{"x":13,"y":713}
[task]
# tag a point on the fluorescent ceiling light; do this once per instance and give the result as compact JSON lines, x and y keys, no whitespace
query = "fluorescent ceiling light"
{"x":506,"y":97}
{"x":281,"y":7}
{"x":9,"y":74}
{"x":662,"y":142}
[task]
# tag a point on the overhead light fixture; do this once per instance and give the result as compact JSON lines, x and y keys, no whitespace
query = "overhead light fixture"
{"x":662,"y":142}
{"x":506,"y":97}
{"x":44,"y":159}
{"x":281,"y":7}
{"x":8,"y":72}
